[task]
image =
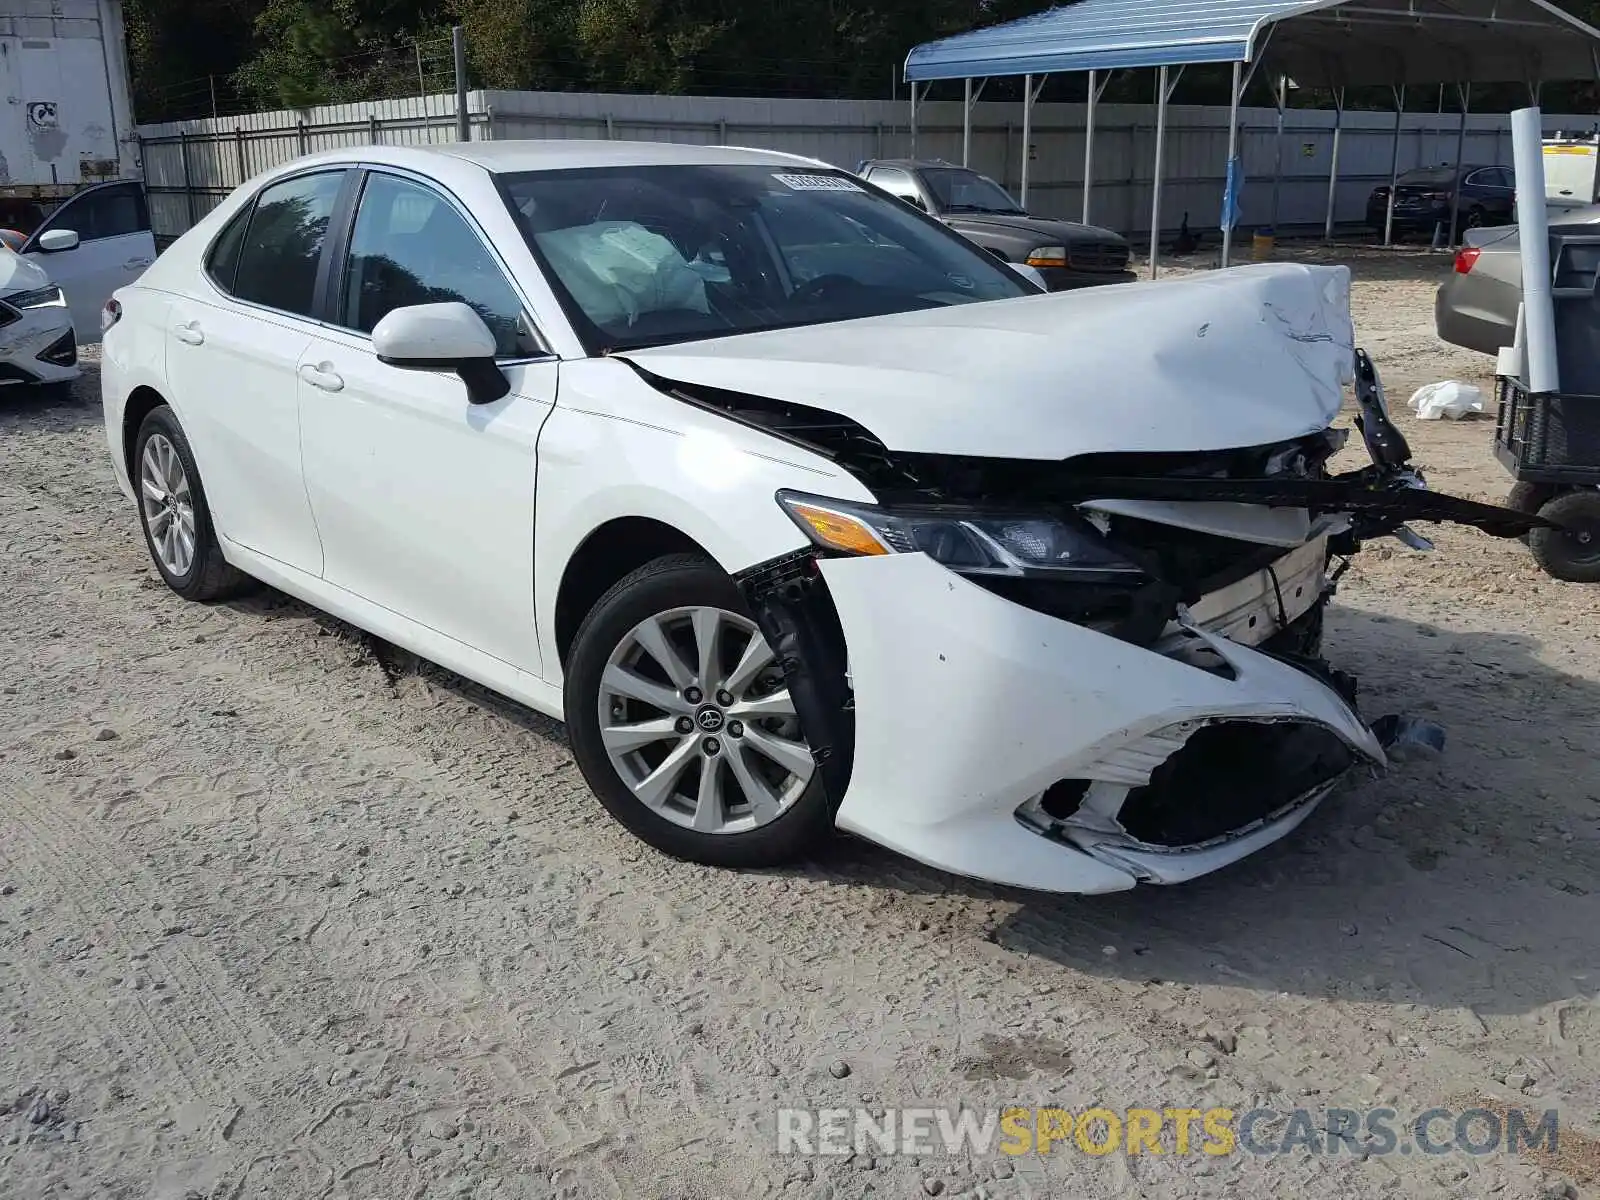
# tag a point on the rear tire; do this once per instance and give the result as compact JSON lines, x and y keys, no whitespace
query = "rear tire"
{"x":1572,"y":552}
{"x":661,"y":605}
{"x":174,"y":515}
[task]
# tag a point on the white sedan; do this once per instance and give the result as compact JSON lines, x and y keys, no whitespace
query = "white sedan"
{"x":802,"y":512}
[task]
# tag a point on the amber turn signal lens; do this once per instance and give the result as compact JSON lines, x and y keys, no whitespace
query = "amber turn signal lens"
{"x":839,"y":532}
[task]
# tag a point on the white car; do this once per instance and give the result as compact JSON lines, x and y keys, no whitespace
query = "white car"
{"x":56,"y":278}
{"x":802,"y":512}
{"x":37,"y":345}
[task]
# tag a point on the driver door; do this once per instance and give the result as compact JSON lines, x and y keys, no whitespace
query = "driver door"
{"x":114,"y":247}
{"x":424,"y":500}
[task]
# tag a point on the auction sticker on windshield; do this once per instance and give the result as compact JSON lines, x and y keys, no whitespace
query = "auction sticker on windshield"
{"x":817,"y":183}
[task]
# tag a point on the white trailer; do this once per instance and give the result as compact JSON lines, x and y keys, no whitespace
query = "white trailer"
{"x":69,"y":162}
{"x":67,"y":116}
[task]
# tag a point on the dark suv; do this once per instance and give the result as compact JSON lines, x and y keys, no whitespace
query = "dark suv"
{"x":1067,"y":254}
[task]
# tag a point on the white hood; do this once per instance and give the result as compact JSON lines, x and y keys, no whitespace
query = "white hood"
{"x":18,"y":274}
{"x":1244,"y":357}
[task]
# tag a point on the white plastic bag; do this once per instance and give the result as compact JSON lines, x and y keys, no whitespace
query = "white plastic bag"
{"x":1449,"y":399}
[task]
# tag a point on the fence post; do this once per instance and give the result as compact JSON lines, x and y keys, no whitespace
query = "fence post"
{"x":488,"y":122}
{"x":722,"y":133}
{"x":611,"y":129}
{"x":238,"y":150}
{"x":300,"y":135}
{"x":188,"y":186}
{"x":372,"y":128}
{"x":458,"y":45}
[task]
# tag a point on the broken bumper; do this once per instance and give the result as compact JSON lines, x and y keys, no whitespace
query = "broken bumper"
{"x":970,"y":708}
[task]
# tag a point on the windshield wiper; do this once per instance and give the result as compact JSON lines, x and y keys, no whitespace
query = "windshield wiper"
{"x":984,"y":208}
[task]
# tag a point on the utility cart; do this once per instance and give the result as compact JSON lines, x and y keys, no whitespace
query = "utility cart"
{"x":1551,"y":442}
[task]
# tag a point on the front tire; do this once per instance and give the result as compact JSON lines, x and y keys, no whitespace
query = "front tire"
{"x":174,"y":515}
{"x":681,"y":722}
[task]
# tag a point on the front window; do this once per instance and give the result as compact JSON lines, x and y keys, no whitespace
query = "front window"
{"x":645,"y":256}
{"x":961,"y":191}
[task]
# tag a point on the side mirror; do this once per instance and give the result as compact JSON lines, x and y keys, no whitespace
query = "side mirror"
{"x":54,"y":241}
{"x":916,"y":203}
{"x":1031,"y":274}
{"x":427,"y":337}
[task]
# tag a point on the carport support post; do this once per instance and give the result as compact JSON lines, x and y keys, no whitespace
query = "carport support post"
{"x":1277,"y":149}
{"x":966,"y":124}
{"x":1027,"y":134}
{"x":1163,"y":94}
{"x":1464,"y":91}
{"x":913,"y":119}
{"x":970,"y":102}
{"x":1095,"y":88}
{"x":1333,"y":170}
{"x":1394,"y":163}
{"x":1228,"y":200}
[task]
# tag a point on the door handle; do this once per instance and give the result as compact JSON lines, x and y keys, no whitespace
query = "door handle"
{"x":323,"y":377}
{"x":137,"y":264}
{"x":190,"y":333}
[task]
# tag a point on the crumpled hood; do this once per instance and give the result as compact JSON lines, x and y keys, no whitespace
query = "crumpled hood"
{"x":1245,"y":357}
{"x":18,"y":274}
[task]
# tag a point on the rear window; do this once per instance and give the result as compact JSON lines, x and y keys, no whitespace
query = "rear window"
{"x":1429,"y":177}
{"x":283,"y":245}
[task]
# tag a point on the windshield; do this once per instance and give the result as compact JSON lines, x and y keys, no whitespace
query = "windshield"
{"x":646,"y":256}
{"x":967,"y":191}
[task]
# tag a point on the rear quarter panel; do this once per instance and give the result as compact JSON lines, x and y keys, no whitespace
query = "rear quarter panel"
{"x":133,"y":354}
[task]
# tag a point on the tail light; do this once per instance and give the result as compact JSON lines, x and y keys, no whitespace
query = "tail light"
{"x":1466,"y":259}
{"x":110,"y":314}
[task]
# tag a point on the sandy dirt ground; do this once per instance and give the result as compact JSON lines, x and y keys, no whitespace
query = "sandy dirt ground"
{"x":287,"y":914}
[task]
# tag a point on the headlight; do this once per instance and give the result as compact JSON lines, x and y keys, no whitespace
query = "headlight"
{"x":1047,"y":256}
{"x":971,"y":543}
{"x":44,"y":297}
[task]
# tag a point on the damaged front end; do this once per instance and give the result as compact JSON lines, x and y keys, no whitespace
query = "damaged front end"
{"x":1081,"y":675}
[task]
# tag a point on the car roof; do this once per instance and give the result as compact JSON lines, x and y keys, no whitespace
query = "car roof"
{"x":555,"y":154}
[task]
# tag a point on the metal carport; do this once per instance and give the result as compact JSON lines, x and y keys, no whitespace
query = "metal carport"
{"x":1332,"y":44}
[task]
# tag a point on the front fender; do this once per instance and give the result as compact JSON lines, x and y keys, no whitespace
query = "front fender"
{"x":614,"y":447}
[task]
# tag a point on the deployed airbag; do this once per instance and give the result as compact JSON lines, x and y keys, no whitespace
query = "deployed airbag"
{"x":619,"y":270}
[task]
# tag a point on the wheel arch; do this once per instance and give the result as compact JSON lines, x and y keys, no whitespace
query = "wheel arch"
{"x":142,"y":401}
{"x":610,"y":552}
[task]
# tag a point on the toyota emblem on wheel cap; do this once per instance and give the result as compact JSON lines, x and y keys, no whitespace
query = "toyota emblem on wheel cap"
{"x":709,"y":719}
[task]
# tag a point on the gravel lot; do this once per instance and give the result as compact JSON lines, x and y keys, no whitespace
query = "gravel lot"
{"x":286,"y":913}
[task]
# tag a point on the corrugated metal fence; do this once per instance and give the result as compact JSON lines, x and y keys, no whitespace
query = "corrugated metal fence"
{"x":189,"y":166}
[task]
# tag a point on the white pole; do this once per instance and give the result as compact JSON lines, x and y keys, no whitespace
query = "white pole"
{"x":1394,"y":164}
{"x":1527,"y":148}
{"x":1333,"y":170}
{"x":1088,"y":144}
{"x":1027,"y":133}
{"x":966,"y":125}
{"x":1233,"y":153}
{"x":1155,"y":195}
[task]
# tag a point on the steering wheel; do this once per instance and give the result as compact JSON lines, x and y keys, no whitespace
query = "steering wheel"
{"x":822,"y":285}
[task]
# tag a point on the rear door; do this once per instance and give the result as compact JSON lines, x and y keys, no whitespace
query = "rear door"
{"x":234,"y":345}
{"x":114,"y":247}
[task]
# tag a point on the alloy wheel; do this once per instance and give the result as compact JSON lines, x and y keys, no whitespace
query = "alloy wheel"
{"x":168,"y":504}
{"x":698,"y":723}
